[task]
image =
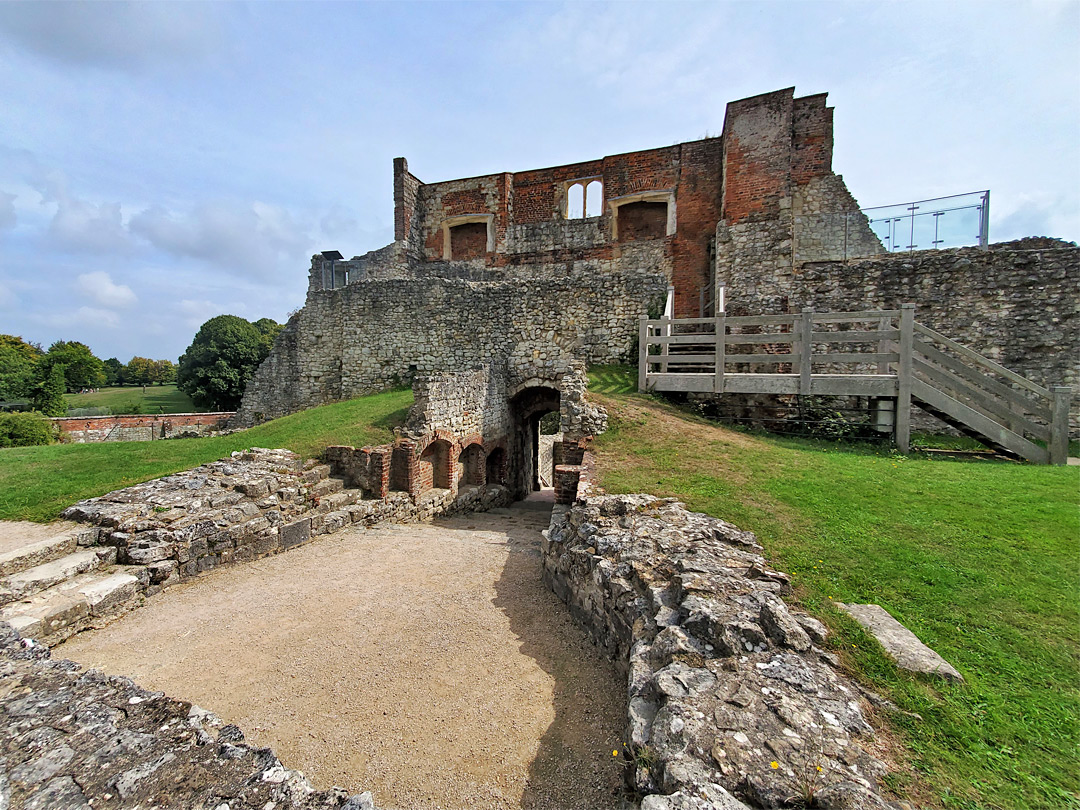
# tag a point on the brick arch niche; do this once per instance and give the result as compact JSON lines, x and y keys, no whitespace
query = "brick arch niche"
{"x":433,"y":466}
{"x":471,"y":466}
{"x":495,"y":466}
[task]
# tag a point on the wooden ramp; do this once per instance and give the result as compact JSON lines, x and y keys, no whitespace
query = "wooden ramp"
{"x":879,"y":354}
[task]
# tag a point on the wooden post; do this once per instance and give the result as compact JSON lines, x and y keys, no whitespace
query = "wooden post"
{"x":666,"y":330}
{"x":903,"y":381}
{"x":1059,"y":424}
{"x":721,"y":348}
{"x":806,"y":350}
{"x":643,"y":353}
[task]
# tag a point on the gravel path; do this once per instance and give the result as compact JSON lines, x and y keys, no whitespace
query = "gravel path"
{"x":428,"y":664}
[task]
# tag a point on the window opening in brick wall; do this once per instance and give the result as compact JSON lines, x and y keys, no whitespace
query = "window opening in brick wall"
{"x":584,"y":198}
{"x":468,"y":241}
{"x":594,"y":199}
{"x":642,"y":220}
{"x":575,"y":201}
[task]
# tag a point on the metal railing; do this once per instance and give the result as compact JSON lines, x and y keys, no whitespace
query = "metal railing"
{"x":954,"y":221}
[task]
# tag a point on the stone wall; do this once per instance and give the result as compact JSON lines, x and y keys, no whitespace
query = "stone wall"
{"x":83,"y":429}
{"x":731,"y":700}
{"x":376,"y":334}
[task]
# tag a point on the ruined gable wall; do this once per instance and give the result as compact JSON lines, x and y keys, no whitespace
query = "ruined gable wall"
{"x":530,"y":230}
{"x":782,"y":202}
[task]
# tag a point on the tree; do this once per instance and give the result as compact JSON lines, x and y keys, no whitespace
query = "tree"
{"x":114,"y":371}
{"x":49,"y":394}
{"x":215,"y":369}
{"x":164,"y":372}
{"x":18,"y":360}
{"x":139,"y":370}
{"x":81,"y":368}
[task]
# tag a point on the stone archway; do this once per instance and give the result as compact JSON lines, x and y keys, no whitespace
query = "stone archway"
{"x":527,"y":407}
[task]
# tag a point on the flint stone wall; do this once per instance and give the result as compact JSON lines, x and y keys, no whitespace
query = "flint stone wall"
{"x":724,"y":679}
{"x":376,"y":334}
{"x":74,"y":739}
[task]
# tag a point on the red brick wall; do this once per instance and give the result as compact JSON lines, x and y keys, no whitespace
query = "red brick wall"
{"x":757,"y":161}
{"x":468,"y":241}
{"x":812,"y":138}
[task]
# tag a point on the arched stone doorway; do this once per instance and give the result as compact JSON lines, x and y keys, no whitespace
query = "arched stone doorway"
{"x":527,"y":408}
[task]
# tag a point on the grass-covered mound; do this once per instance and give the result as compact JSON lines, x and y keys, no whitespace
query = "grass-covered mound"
{"x":979,"y":559}
{"x":37,"y":483}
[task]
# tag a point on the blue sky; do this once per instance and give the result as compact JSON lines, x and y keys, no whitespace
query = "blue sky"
{"x":163,"y":163}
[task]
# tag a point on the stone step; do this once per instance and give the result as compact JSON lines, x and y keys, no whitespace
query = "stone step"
{"x":54,"y":614}
{"x":339,"y":500}
{"x":316,"y":474}
{"x":46,"y":575}
{"x":43,"y":551}
{"x":328,"y":486}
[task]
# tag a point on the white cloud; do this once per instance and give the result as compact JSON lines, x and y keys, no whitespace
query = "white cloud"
{"x":124,"y":35}
{"x":102,"y":289}
{"x":196,"y":313}
{"x":92,"y":316}
{"x":80,"y":225}
{"x":253,"y":239}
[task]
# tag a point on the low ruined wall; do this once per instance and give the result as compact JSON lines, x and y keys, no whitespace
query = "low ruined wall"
{"x":74,"y":738}
{"x":728,"y":693}
{"x":247,"y":506}
{"x":139,"y":428}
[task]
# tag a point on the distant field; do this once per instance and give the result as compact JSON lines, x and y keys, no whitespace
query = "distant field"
{"x":131,"y":399}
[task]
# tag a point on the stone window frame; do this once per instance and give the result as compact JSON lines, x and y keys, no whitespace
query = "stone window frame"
{"x":664,"y":196}
{"x":466,"y":219}
{"x":584,"y":182}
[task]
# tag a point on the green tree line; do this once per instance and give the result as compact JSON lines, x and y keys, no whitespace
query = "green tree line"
{"x":28,"y":373}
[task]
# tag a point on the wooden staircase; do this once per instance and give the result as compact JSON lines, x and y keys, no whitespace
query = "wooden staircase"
{"x":881,"y":354}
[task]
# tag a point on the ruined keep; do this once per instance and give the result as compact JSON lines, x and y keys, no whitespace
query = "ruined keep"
{"x":532,"y":272}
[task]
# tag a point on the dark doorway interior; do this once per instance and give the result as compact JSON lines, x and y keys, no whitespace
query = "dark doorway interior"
{"x":527,"y":408}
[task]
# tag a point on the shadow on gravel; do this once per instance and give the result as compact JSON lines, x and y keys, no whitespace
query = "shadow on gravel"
{"x":574,"y":768}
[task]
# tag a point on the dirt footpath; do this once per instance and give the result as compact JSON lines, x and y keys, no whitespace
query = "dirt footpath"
{"x":428,"y":664}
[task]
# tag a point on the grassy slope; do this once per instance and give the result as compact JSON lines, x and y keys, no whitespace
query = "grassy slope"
{"x":157,"y":399}
{"x":979,"y":559}
{"x":37,"y":483}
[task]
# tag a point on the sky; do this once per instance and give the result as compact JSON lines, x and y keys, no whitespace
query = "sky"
{"x":163,"y":163}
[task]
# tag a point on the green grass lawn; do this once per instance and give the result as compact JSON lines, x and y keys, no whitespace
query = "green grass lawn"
{"x":37,"y":483}
{"x":126,"y":399}
{"x":981,"y":560}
